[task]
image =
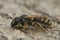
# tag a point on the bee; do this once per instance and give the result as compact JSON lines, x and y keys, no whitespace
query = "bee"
{"x":25,"y":22}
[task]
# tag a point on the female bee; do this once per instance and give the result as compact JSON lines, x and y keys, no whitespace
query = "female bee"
{"x":25,"y":22}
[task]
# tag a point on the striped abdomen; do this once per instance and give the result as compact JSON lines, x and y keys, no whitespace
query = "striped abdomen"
{"x":45,"y":22}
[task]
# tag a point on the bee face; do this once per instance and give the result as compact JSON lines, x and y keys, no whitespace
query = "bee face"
{"x":15,"y":22}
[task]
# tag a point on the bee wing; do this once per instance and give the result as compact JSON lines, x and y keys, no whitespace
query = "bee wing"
{"x":41,"y":27}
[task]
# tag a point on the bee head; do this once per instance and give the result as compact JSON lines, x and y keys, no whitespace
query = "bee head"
{"x":15,"y":22}
{"x":18,"y":22}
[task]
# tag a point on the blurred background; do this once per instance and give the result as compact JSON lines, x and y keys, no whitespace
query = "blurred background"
{"x":16,"y":8}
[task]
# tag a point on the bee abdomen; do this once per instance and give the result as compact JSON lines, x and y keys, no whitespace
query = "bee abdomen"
{"x":47,"y":21}
{"x":44,"y":21}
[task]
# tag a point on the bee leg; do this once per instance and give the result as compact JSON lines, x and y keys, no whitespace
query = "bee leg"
{"x":17,"y":25}
{"x":25,"y":27}
{"x":41,"y":27}
{"x":35,"y":25}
